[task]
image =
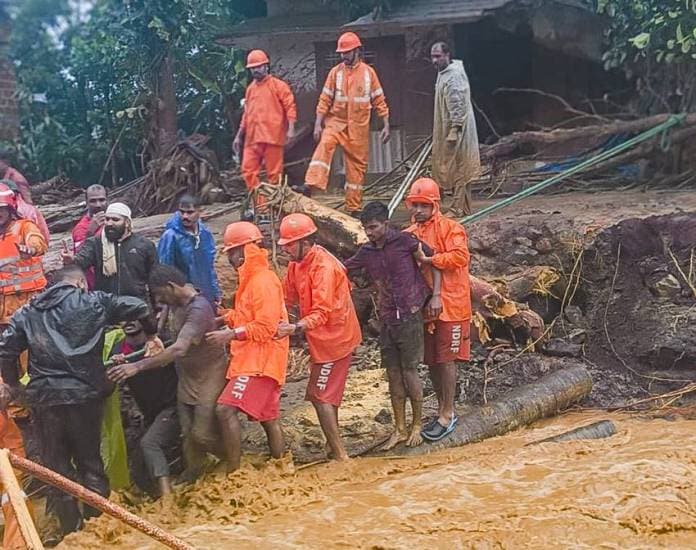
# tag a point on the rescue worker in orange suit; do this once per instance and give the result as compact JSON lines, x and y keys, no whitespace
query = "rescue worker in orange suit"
{"x":258,"y":361}
{"x":10,"y":439}
{"x":318,"y":283}
{"x":447,"y":337}
{"x":21,"y":247}
{"x":268,"y":120}
{"x":351,"y":90}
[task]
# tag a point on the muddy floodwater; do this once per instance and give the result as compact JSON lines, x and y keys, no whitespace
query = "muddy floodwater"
{"x":636,"y":489}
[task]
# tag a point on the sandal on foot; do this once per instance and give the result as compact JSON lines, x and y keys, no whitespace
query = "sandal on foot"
{"x":436,"y":431}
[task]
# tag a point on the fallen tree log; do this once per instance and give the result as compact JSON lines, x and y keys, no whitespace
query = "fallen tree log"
{"x":596,"y":430}
{"x":545,"y":397}
{"x":338,"y":231}
{"x":535,"y":141}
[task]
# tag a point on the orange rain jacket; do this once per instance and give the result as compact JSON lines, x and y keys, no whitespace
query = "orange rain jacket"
{"x":347,"y":98}
{"x":449,"y":241}
{"x":268,"y":107}
{"x":258,"y":307}
{"x":320,"y":286}
{"x":19,"y":273}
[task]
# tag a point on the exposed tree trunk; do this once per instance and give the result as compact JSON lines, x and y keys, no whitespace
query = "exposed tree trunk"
{"x":534,"y":142}
{"x":546,"y":397}
{"x":596,"y":430}
{"x":338,"y":231}
{"x":166,"y":106}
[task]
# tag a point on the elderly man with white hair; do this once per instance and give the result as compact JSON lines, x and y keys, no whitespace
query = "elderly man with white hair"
{"x":122,"y":260}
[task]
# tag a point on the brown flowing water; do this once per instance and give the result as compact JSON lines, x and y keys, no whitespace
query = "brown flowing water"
{"x":636,"y":489}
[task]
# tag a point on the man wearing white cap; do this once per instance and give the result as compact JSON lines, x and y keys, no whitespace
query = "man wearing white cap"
{"x":121,"y":259}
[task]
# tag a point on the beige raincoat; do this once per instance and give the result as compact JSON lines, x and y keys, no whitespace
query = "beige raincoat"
{"x":455,"y":152}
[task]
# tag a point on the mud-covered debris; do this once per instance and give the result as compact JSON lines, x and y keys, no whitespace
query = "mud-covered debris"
{"x":666,"y":287}
{"x":383,"y":417}
{"x":573,"y":315}
{"x":562,"y":347}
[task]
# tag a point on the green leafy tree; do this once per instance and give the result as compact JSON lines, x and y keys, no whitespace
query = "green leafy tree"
{"x":103,"y":91}
{"x":654,"y":41}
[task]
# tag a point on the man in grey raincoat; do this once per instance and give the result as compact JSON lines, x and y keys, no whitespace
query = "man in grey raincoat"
{"x":455,"y":142}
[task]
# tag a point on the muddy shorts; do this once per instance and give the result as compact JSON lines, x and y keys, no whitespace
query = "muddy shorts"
{"x":327,"y":381}
{"x":401,"y":344}
{"x":448,"y":342}
{"x":257,"y":396}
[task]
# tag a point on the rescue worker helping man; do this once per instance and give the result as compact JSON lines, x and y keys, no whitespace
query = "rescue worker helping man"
{"x":318,"y":283}
{"x":258,"y":361}
{"x":351,"y":90}
{"x":447,"y":336}
{"x":268,"y":120}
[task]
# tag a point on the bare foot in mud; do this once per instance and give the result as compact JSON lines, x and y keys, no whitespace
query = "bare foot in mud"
{"x":415,"y":438}
{"x":396,"y":438}
{"x":330,"y":455}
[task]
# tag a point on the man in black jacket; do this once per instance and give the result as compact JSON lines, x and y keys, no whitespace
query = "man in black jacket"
{"x":122,"y":260}
{"x":63,"y":329}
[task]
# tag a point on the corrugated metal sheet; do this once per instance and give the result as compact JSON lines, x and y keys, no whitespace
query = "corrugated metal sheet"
{"x":430,"y":12}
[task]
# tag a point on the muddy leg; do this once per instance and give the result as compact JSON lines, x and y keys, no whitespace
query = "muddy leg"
{"x":414,"y":387}
{"x":448,"y":383}
{"x":328,"y":420}
{"x":397,"y":392}
{"x":436,"y":378}
{"x":276,"y":441}
{"x":231,"y":429}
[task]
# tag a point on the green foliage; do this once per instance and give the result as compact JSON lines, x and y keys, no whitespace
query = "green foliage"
{"x":655,"y":42}
{"x":99,"y":74}
{"x":663,"y":30}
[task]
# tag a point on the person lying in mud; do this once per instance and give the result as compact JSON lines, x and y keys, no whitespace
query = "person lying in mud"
{"x":258,"y":361}
{"x":446,"y":335}
{"x":402,"y":292}
{"x":200,"y":364}
{"x":318,"y":283}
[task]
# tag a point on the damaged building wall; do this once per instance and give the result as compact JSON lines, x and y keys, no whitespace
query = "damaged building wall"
{"x":9,"y":112}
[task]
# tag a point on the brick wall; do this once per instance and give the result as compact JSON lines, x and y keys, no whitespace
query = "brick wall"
{"x":9,"y":114}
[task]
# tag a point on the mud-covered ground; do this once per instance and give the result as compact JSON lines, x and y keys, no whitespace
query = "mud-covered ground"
{"x":623,"y":307}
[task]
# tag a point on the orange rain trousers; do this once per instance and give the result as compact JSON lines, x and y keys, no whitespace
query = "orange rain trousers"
{"x":11,"y":439}
{"x":320,"y":286}
{"x":258,"y":155}
{"x":355,"y":161}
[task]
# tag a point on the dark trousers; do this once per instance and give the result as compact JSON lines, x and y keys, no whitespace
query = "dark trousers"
{"x":162,"y":434}
{"x":70,"y":439}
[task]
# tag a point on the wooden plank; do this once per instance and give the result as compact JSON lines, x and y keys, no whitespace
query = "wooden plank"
{"x":18,"y":503}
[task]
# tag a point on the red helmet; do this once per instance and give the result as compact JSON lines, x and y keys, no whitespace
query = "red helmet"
{"x":347,"y":42}
{"x":256,"y":58}
{"x":424,"y":190}
{"x":7,"y":197}
{"x":239,"y":234}
{"x":295,"y":227}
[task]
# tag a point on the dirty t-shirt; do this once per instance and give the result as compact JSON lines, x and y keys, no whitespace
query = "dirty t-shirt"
{"x":401,"y":287}
{"x":202,"y":370}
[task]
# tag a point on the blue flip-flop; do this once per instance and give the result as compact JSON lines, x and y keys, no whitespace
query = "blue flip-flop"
{"x":436,"y":431}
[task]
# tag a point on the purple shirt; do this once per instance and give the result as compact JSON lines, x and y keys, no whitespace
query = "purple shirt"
{"x":401,"y":287}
